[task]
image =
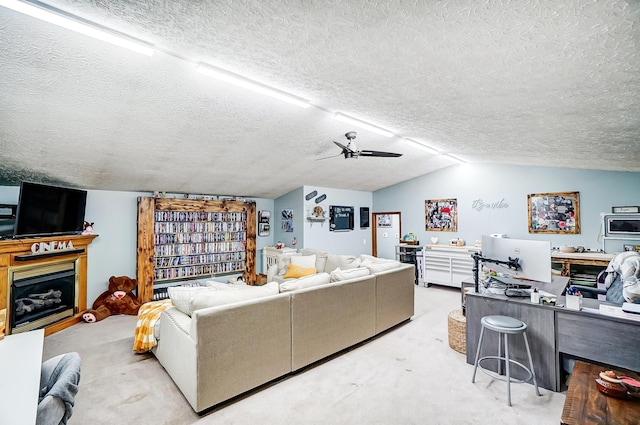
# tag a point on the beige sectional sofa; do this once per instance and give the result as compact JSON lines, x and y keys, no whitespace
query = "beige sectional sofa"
{"x":223,"y":351}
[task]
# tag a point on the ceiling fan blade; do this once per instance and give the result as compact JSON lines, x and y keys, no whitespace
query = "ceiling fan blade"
{"x":327,"y":157}
{"x":343,"y":147}
{"x":380,"y":154}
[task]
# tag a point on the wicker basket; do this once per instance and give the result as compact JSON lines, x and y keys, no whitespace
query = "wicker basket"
{"x":458,"y":331}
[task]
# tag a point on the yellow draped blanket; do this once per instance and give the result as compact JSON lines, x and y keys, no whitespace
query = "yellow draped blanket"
{"x":148,"y":315}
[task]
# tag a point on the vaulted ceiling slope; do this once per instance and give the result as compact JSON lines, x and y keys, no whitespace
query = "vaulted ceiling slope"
{"x":547,"y":82}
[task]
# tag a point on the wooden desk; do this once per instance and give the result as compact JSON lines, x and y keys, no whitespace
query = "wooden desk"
{"x":580,"y":258}
{"x":585,"y":405}
{"x":20,"y":365}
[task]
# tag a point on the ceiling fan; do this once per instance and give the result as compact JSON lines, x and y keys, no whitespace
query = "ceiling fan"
{"x":351,"y":151}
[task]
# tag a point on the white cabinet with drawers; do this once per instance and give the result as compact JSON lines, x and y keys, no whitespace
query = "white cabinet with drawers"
{"x":447,"y":266}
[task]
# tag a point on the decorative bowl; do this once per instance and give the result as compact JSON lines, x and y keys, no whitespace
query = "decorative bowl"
{"x":566,"y":248}
{"x":611,"y":388}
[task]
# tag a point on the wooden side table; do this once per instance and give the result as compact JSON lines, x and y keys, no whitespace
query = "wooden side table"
{"x":585,"y":405}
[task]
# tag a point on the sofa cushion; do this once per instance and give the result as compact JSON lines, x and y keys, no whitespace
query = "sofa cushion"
{"x":295,"y":271}
{"x":341,"y":261}
{"x":380,"y":265}
{"x":305,"y":261}
{"x":339,"y":274}
{"x":225,"y":286}
{"x":188,"y":300}
{"x":305,"y":282}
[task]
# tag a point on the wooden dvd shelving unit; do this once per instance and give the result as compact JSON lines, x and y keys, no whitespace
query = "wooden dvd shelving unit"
{"x":180,"y":239}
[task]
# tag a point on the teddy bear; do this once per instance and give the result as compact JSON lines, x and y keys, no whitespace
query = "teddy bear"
{"x":117,"y":299}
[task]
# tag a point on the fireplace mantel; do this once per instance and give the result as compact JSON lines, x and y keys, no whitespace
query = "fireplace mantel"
{"x":41,"y":251}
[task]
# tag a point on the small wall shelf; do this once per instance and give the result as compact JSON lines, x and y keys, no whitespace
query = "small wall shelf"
{"x":312,"y":218}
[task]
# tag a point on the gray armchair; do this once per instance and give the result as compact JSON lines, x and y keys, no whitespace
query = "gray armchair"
{"x":59,"y":379}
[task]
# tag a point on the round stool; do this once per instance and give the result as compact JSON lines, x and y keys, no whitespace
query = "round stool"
{"x":506,"y":326}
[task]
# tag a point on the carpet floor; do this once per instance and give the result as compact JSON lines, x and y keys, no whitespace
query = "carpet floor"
{"x":406,"y":376}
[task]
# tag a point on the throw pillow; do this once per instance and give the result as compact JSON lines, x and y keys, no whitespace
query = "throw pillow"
{"x":321,"y":257}
{"x":305,"y":261}
{"x":339,"y":274}
{"x":305,"y":282}
{"x":283,"y":261}
{"x":295,"y":271}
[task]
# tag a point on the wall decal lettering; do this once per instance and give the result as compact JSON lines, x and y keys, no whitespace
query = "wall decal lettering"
{"x":479,"y":205}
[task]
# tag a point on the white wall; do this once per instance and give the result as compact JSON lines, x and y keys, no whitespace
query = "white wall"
{"x":503,"y":189}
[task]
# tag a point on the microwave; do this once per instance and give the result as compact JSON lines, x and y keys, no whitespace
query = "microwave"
{"x":621,"y":224}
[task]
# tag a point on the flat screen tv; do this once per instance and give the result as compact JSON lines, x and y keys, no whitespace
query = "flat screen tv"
{"x":49,"y":210}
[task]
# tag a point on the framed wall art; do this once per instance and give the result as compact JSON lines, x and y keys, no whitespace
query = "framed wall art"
{"x":441,"y":214}
{"x":287,"y":220}
{"x":264,"y":216}
{"x":384,"y":220}
{"x":554,"y":212}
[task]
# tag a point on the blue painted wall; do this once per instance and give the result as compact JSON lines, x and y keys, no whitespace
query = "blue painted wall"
{"x":493,"y":199}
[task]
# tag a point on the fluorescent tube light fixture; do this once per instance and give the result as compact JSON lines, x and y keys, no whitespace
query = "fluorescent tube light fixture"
{"x":455,"y":159}
{"x":362,"y":124}
{"x":231,"y":78}
{"x":59,"y":18}
{"x":419,"y":145}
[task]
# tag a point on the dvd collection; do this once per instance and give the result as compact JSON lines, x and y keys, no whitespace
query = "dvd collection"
{"x":198,"y":243}
{"x":203,"y":269}
{"x":187,"y":260}
{"x":200,"y":216}
{"x":199,"y":227}
{"x":176,"y":238}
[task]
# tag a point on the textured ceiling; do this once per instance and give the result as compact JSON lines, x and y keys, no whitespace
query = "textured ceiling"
{"x":548,"y":82}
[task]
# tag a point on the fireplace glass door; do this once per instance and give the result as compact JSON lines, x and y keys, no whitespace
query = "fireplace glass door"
{"x":42,"y":295}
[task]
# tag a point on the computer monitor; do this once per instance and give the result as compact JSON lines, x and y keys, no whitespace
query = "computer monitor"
{"x":534,"y":256}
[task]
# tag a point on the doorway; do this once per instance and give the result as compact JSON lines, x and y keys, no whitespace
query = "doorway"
{"x":386,"y":231}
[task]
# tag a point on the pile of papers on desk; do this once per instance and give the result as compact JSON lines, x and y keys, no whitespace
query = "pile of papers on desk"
{"x":612,"y":310}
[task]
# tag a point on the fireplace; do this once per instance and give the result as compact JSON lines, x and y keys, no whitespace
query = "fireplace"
{"x":42,"y":295}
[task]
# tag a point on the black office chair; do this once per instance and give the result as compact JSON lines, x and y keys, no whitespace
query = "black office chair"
{"x":59,"y":379}
{"x":613,"y":294}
